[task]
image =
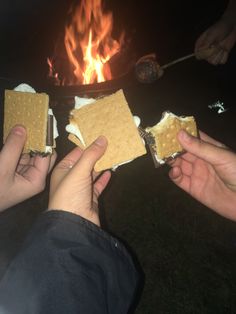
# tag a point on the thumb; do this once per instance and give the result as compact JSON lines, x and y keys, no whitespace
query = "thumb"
{"x":201,"y":42}
{"x":211,"y":153}
{"x":91,"y":155}
{"x":12,"y":149}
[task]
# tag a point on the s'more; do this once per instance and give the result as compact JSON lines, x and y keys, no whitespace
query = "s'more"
{"x":111,"y":117}
{"x":31,"y":110}
{"x":165,"y":145}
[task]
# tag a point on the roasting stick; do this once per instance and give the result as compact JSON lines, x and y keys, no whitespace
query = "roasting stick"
{"x":178,"y":60}
{"x":200,"y":54}
{"x":148,"y":70}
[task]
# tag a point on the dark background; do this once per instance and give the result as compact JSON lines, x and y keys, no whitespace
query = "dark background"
{"x":30,"y":29}
{"x":186,"y":253}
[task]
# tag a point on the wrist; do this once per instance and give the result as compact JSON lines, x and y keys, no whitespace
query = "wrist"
{"x":229,"y":17}
{"x":93,"y":217}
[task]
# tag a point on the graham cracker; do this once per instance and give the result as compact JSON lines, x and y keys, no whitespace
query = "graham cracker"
{"x":111,"y":117}
{"x":165,"y":134}
{"x":31,"y":111}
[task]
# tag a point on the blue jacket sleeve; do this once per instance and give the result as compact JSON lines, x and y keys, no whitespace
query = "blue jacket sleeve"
{"x":68,"y":265}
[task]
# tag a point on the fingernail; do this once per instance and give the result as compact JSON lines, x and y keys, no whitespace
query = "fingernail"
{"x":184,"y":136}
{"x":101,"y":141}
{"x":18,"y":130}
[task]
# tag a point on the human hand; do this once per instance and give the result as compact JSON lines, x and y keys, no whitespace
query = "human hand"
{"x":221,"y":35}
{"x":207,"y":171}
{"x":75,"y":186}
{"x":21,"y":176}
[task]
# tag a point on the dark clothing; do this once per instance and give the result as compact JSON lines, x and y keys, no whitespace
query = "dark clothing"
{"x":68,"y":265}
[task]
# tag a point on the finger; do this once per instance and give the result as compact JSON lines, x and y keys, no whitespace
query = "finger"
{"x":95,"y":175}
{"x":28,"y":161}
{"x":175,"y":161}
{"x":200,"y":52}
{"x":229,"y":41}
{"x":52,"y":160}
{"x":24,"y":161}
{"x":40,"y":168}
{"x":91,"y":155}
{"x":68,"y":162}
{"x":64,"y":167}
{"x":189,"y":157}
{"x":183,"y":157}
{"x":206,"y":40}
{"x":206,"y":52}
{"x":224,"y":57}
{"x":12,"y":149}
{"x":179,"y":178}
{"x":201,"y":43}
{"x":206,"y":151}
{"x":175,"y":173}
{"x":185,"y":165}
{"x":71,"y":158}
{"x":102,"y":182}
{"x":216,"y":57}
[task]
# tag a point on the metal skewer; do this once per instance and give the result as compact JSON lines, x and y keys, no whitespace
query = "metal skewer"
{"x":178,"y":60}
{"x":148,"y":70}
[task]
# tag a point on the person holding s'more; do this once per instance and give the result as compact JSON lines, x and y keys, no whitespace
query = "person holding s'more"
{"x":207,"y":171}
{"x":21,"y":175}
{"x":67,"y":263}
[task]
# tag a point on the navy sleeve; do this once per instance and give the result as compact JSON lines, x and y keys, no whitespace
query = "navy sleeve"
{"x":68,"y":265}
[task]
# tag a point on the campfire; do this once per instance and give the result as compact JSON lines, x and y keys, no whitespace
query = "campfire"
{"x":89,"y":54}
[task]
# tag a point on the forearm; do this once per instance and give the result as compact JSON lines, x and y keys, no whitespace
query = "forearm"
{"x":68,"y":265}
{"x":230,"y":12}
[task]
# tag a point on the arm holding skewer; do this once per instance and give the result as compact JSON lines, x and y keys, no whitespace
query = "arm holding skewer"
{"x":222,"y":35}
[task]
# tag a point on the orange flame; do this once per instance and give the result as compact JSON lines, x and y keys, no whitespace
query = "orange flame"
{"x":89,"y":43}
{"x":52,"y":72}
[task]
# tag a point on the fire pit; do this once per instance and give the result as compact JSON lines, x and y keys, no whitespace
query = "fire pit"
{"x":89,"y":90}
{"x":88,"y":61}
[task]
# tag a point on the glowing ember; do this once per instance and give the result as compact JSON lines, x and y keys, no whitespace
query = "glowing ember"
{"x":89,"y":44}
